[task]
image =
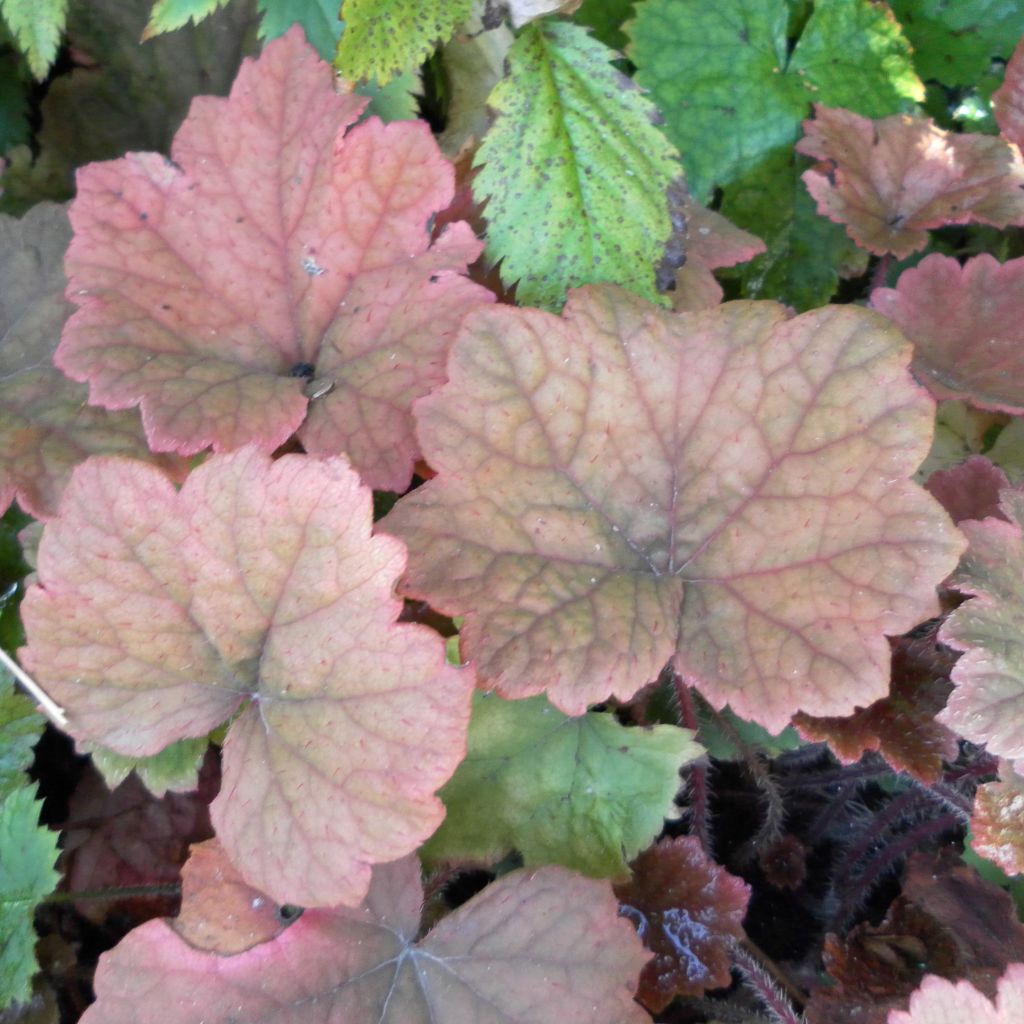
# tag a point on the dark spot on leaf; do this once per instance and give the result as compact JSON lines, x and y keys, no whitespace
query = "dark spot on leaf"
{"x":143,"y":216}
{"x":302,"y":370}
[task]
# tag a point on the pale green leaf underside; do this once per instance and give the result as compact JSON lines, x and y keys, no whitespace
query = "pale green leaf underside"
{"x":168,"y":15}
{"x":384,"y":37}
{"x":27,"y":856}
{"x":574,"y":171}
{"x":586,"y":792}
{"x":729,"y":93}
{"x":175,"y":768}
{"x":37,"y":26}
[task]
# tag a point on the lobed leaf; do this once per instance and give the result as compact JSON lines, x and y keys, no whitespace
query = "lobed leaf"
{"x":955,"y":42}
{"x":587,"y":792}
{"x":318,"y":18}
{"x":964,"y":322}
{"x":276,"y":257}
{"x":731,"y":91}
{"x":46,"y":427}
{"x":1008,"y":101}
{"x":384,"y":37}
{"x":689,"y":912}
{"x":987,"y":704}
{"x":939,"y":1001}
{"x":889,"y":181}
{"x":997,"y":825}
{"x":536,"y":947}
{"x":572,"y":148}
{"x":623,"y":486}
{"x":256,"y":592}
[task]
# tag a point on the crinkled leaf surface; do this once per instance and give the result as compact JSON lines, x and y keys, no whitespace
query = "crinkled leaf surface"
{"x":969,"y":490}
{"x":256,"y":589}
{"x":168,"y":15}
{"x":46,"y":427}
{"x":730,"y":90}
{"x":383,"y":37}
{"x":939,"y":1001}
{"x":891,"y":180}
{"x":318,"y":18}
{"x":902,"y":725}
{"x":987,"y":705}
{"x":954,"y":41}
{"x":1008,"y":101}
{"x":584,"y":792}
{"x":689,"y":912}
{"x":964,"y":322}
{"x":623,"y":486}
{"x":536,"y":947}
{"x":573,"y":147}
{"x":37,"y":26}
{"x":277,"y":257}
{"x":997,"y":824}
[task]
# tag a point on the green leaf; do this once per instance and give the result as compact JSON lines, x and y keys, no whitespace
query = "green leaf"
{"x":318,"y":18}
{"x":395,"y":101}
{"x":20,"y":728}
{"x":167,"y":15}
{"x":573,"y":150}
{"x":806,"y":252}
{"x":13,"y":101}
{"x":384,"y":37}
{"x":720,"y":731}
{"x":606,"y":18}
{"x":27,"y":856}
{"x":37,"y":26}
{"x":175,"y":768}
{"x":584,"y":792}
{"x":730,"y":92}
{"x":955,"y":40}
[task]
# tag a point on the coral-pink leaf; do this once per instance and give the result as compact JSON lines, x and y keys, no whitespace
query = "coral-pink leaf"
{"x":46,"y":427}
{"x":987,"y":705}
{"x":729,"y":487}
{"x":1008,"y":99}
{"x":965,"y":326}
{"x":888,"y":181}
{"x":536,"y":947}
{"x":689,"y":912}
{"x":997,"y":825}
{"x":259,"y":589}
{"x":278,"y":263}
{"x":938,"y":1001}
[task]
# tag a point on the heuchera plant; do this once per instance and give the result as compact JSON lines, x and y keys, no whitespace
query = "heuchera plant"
{"x":530,"y":615}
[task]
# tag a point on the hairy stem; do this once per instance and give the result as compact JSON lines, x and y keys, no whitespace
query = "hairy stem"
{"x":121,"y":892}
{"x":757,"y":978}
{"x":700,"y":818}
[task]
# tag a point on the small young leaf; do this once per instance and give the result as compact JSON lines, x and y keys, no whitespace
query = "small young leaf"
{"x":587,"y":792}
{"x":276,"y":250}
{"x":575,"y":159}
{"x":623,"y":486}
{"x":27,"y":855}
{"x":168,"y":15}
{"x":46,"y":427}
{"x":689,"y":912}
{"x":730,"y":90}
{"x":939,"y":1001}
{"x":987,"y":705}
{"x":964,"y":322}
{"x":997,"y":824}
{"x":969,"y":490}
{"x":37,"y":25}
{"x":536,"y":947}
{"x":175,"y":768}
{"x":384,"y":37}
{"x":889,"y":181}
{"x":257,"y":588}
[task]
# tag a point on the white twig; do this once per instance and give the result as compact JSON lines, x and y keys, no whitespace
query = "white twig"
{"x":53,"y":711}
